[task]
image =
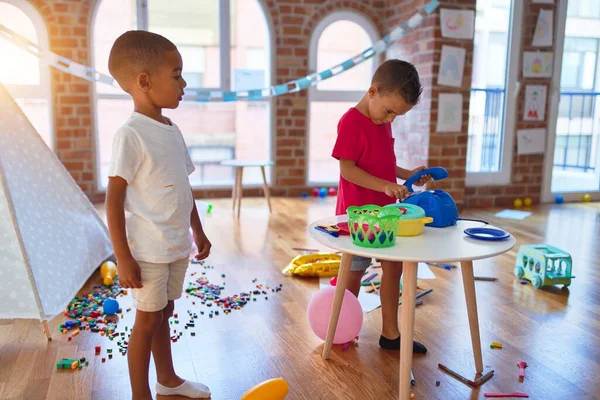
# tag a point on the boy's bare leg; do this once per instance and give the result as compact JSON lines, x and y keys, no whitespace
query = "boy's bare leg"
{"x":161,"y":351}
{"x":354,"y":282}
{"x":169,"y":383}
{"x":138,"y":354}
{"x":389,"y":293}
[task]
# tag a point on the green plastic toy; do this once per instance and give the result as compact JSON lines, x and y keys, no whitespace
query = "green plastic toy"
{"x":373,"y":226}
{"x":544,"y":265}
{"x":67,"y":363}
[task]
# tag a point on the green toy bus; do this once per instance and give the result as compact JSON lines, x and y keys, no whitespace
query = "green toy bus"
{"x":544,"y":265}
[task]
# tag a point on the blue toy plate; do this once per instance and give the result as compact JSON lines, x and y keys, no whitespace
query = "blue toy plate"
{"x":487,"y":233}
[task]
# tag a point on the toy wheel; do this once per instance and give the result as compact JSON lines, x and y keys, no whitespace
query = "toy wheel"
{"x":537,"y":281}
{"x":566,"y":285}
{"x":518,"y":271}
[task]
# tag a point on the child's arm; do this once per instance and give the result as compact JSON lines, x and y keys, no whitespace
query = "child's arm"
{"x":404,"y":174}
{"x":359,"y":177}
{"x":200,"y":238}
{"x":127,"y":268}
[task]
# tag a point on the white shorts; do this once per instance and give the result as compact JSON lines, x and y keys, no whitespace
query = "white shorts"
{"x":162,"y":283}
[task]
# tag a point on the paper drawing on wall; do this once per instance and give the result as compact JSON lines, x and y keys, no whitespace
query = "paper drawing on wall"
{"x":535,"y":103}
{"x":542,"y":36}
{"x":450,"y":107}
{"x":537,"y":64}
{"x":452,"y":64}
{"x":531,"y":141}
{"x":457,"y":24}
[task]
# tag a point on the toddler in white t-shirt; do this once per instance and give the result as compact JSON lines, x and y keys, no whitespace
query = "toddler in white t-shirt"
{"x":150,"y":206}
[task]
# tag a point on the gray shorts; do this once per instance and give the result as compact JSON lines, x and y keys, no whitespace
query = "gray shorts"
{"x":360,"y":263}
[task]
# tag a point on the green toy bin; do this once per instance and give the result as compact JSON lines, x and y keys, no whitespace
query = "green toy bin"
{"x":371,"y":228}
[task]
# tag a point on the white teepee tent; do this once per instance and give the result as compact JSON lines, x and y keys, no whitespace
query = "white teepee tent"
{"x":51,"y":238}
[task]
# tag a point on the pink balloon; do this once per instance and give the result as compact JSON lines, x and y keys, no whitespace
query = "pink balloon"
{"x":351,"y":316}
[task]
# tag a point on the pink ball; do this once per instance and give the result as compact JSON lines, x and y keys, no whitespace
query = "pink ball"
{"x":349,"y":323}
{"x":332,"y":191}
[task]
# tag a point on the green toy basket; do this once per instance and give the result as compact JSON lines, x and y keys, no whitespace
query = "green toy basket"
{"x":370,"y":228}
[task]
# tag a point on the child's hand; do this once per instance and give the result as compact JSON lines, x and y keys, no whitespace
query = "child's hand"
{"x":203,"y":245}
{"x":130,"y":275}
{"x":422,"y":180}
{"x":395,"y":190}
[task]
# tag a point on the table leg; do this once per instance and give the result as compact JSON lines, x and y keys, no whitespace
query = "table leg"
{"x":336,"y":307}
{"x":407,"y":325}
{"x":240,"y":191}
{"x":235,"y":188}
{"x":469,"y":284}
{"x":266,"y":187}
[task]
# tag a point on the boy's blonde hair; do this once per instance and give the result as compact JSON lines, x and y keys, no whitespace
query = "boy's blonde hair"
{"x":137,"y":51}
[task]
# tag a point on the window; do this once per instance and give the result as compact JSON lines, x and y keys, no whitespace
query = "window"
{"x":225,"y":46}
{"x":579,"y":64}
{"x":491,"y":116}
{"x":193,"y":25}
{"x":496,"y":60}
{"x":578,"y":75}
{"x":330,"y":99}
{"x":25,"y":77}
{"x":583,"y":9}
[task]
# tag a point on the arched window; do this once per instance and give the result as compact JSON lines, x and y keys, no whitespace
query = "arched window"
{"x":225,"y":46}
{"x":25,"y":77}
{"x":338,"y":37}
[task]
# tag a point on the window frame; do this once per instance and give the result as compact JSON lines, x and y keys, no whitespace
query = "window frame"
{"x":503,"y":176}
{"x":580,"y":69}
{"x":43,"y":90}
{"x":316,"y":95}
{"x":577,"y":12}
{"x":142,"y":20}
{"x":560,"y":32}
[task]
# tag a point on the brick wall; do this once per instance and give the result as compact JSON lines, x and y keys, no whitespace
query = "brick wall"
{"x":420,"y":144}
{"x":419,"y":141}
{"x":68,"y":24}
{"x":293,"y":21}
{"x":527,"y":170}
{"x":412,"y":132}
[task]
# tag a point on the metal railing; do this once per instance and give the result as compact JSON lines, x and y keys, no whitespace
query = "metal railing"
{"x":577,"y":131}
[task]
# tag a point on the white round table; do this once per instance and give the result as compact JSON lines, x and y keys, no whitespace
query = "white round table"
{"x":239,"y":173}
{"x":434,"y":245}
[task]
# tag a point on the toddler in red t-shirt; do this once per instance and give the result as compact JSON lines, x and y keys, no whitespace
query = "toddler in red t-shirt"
{"x":368,"y":173}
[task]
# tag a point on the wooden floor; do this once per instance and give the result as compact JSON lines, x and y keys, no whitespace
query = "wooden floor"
{"x":556,"y":331}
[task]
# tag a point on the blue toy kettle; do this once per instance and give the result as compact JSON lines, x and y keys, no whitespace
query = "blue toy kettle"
{"x":437,"y":204}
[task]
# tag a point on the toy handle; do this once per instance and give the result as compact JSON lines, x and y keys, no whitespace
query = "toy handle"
{"x":437,"y":173}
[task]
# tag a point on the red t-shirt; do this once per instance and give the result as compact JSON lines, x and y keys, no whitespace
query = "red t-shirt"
{"x":371,"y":147}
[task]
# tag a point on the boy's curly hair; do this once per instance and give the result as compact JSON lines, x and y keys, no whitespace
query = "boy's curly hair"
{"x":399,"y":77}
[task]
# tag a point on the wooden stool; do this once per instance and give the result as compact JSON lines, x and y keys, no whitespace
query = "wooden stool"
{"x":239,"y":173}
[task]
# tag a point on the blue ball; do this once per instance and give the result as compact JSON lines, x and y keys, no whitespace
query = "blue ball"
{"x":559,"y":199}
{"x":322,"y":192}
{"x":110,"y":306}
{"x":304,"y":195}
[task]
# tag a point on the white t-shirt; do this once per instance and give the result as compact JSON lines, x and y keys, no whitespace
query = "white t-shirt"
{"x":153,"y":158}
